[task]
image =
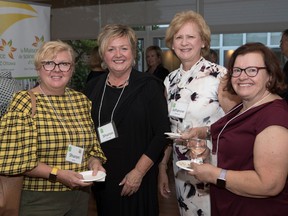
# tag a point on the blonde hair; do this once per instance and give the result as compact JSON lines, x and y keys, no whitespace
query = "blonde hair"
{"x":184,"y":17}
{"x":49,"y":50}
{"x":114,"y":31}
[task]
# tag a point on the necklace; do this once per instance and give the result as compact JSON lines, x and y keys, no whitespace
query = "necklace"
{"x":117,"y":86}
{"x":101,"y":103}
{"x":239,"y":114}
{"x":59,"y":119}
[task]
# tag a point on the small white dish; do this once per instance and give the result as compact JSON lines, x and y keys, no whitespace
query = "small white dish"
{"x":87,"y":176}
{"x":184,"y":164}
{"x":173,"y":135}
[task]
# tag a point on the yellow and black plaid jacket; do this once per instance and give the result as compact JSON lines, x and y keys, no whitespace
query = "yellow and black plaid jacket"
{"x":25,"y":141}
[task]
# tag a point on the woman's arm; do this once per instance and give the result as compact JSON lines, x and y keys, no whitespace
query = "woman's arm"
{"x":67,"y":177}
{"x":133,"y":179}
{"x":163,"y":181}
{"x":227,"y":101}
{"x":271,"y":167}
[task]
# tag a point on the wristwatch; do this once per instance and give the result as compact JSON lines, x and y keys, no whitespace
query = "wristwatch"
{"x":53,"y":174}
{"x":221,"y":180}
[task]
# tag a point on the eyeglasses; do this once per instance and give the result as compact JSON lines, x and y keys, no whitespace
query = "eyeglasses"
{"x":50,"y":65}
{"x":249,"y":71}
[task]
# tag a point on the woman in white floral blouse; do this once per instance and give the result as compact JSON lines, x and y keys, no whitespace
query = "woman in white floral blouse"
{"x":196,"y":89}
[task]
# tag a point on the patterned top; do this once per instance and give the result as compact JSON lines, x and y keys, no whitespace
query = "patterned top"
{"x":198,"y":87}
{"x":198,"y":90}
{"x":58,"y":122}
{"x":8,"y":86}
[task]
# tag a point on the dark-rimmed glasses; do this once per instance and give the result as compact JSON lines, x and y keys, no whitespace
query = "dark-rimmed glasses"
{"x":50,"y":66}
{"x":249,"y":71}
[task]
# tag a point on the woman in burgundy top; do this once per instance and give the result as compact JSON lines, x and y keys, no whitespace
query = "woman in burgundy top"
{"x":250,"y":143}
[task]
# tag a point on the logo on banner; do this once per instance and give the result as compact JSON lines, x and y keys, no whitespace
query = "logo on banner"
{"x":23,"y":29}
{"x":38,"y":41}
{"x":7,"y":47}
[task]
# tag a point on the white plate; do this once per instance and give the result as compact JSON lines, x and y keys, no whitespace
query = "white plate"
{"x":184,"y":164}
{"x":87,"y":175}
{"x":173,"y":135}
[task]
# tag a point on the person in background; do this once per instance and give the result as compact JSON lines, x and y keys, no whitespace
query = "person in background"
{"x":194,"y":94}
{"x":284,"y":51}
{"x":130,"y":112}
{"x":95,"y":64}
{"x":249,"y":175}
{"x":154,"y":62}
{"x":8,"y":86}
{"x":212,"y":56}
{"x":51,"y":148}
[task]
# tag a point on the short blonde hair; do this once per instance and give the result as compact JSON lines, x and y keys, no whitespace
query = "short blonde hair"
{"x":49,"y":50}
{"x":114,"y":31}
{"x":184,"y":17}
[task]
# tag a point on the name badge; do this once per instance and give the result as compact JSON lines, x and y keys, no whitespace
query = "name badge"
{"x":178,"y":109}
{"x":74,"y":154}
{"x":107,"y":132}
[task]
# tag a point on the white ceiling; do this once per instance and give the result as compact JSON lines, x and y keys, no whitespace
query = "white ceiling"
{"x":77,"y":3}
{"x":223,"y":16}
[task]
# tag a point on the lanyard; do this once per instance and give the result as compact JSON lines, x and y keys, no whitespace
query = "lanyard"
{"x":59,"y":119}
{"x":239,"y":114}
{"x":101,"y":103}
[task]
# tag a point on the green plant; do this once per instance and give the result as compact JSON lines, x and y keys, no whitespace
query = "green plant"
{"x":82,"y":49}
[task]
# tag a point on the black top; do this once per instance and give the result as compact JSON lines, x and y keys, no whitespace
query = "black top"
{"x":285,"y":71}
{"x":141,"y":118}
{"x":160,"y":72}
{"x":94,"y":74}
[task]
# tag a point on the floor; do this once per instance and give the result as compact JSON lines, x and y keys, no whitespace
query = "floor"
{"x":168,"y":207}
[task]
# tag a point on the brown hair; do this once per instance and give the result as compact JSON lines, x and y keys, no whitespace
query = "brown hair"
{"x":95,"y":59}
{"x":276,"y":83}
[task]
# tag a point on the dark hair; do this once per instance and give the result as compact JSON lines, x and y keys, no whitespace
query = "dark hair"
{"x":212,"y":56}
{"x":285,"y":33}
{"x":276,"y":83}
{"x":95,"y":59}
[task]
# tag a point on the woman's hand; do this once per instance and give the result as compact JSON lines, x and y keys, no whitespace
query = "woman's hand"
{"x":163,"y":181}
{"x":196,"y":132}
{"x":204,"y":172}
{"x":71,"y":179}
{"x":95,"y":165}
{"x":131,"y":182}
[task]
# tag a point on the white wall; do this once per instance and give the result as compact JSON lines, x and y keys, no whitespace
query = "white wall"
{"x":223,"y":16}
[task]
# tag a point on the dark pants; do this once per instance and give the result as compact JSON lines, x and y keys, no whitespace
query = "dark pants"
{"x":56,"y":203}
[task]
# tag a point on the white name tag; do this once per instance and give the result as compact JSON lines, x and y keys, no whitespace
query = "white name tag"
{"x":178,"y":109}
{"x":74,"y":154}
{"x":107,"y":132}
